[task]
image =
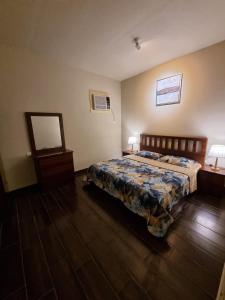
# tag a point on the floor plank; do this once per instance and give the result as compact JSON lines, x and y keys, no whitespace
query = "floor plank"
{"x":53,"y":248}
{"x":133,"y":292}
{"x":11,"y":274}
{"x":66,"y":284}
{"x":75,"y":248}
{"x":20,"y":294}
{"x":200,"y":256}
{"x":95,"y":284}
{"x":36,"y":272}
{"x":113,"y":269}
{"x":9,"y":235}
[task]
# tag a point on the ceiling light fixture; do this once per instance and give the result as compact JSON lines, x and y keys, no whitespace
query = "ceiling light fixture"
{"x":136,"y":42}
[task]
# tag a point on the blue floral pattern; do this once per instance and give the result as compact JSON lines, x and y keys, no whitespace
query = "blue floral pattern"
{"x":146,"y":190}
{"x":149,"y":154}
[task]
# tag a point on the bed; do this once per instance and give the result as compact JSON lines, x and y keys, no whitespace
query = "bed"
{"x":152,"y":182}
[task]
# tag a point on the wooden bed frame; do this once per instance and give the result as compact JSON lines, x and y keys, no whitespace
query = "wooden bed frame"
{"x":190,"y":147}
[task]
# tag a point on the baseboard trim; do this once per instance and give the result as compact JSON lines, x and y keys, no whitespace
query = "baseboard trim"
{"x":23,"y":190}
{"x":81,"y":172}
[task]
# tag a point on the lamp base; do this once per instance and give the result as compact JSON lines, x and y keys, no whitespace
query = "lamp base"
{"x":215,"y":169}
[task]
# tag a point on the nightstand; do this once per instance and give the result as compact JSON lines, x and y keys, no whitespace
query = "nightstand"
{"x":128,"y":152}
{"x":211,"y":182}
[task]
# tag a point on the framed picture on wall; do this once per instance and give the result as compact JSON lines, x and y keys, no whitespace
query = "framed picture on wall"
{"x":168,"y":90}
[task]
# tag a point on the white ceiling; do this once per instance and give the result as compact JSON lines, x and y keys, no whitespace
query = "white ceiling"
{"x":96,"y":35}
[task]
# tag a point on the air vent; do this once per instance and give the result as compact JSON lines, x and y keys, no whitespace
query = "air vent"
{"x":100,"y":102}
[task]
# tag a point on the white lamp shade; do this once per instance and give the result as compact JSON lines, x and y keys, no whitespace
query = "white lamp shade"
{"x":217,"y":151}
{"x":132,"y":140}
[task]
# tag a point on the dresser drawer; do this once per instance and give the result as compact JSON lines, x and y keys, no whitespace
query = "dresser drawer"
{"x":48,"y":162}
{"x":57,"y":169}
{"x":54,"y":169}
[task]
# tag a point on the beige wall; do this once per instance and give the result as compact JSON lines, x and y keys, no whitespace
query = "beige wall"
{"x":32,"y":82}
{"x":202,"y":107}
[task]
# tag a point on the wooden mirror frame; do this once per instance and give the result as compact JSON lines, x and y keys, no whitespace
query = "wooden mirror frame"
{"x":34,"y":151}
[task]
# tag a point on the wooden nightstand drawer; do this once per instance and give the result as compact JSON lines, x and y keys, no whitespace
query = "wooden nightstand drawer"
{"x":211,"y":182}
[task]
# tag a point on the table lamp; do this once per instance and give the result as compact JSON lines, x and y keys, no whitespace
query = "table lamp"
{"x":131,"y":141}
{"x":217,"y":151}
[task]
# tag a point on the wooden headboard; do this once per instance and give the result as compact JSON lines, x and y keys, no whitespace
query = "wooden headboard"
{"x":190,"y":147}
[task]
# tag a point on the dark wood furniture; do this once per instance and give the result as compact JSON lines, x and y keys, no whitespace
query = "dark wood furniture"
{"x":128,"y":152}
{"x":211,"y":182}
{"x":191,"y":147}
{"x":54,"y":169}
{"x":54,"y":164}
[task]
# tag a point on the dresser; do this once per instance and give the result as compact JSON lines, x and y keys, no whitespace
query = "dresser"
{"x":53,"y":161}
{"x":54,"y":169}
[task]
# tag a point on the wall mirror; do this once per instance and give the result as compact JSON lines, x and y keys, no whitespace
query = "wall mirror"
{"x":46,"y":132}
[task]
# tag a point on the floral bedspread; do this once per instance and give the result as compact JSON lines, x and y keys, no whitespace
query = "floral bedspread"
{"x":147,"y":190}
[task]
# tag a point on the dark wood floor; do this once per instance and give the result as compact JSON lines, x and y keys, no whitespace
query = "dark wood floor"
{"x":80,"y":243}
